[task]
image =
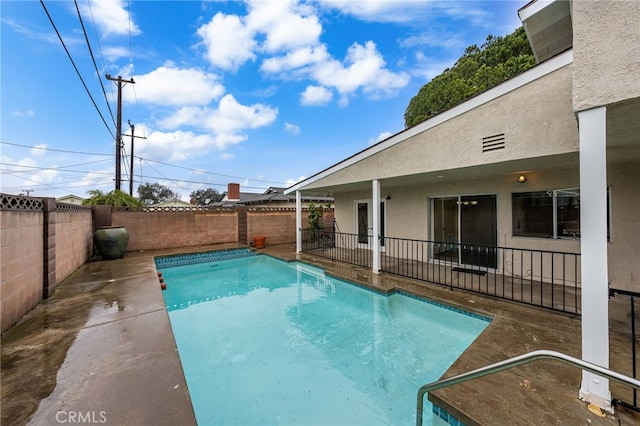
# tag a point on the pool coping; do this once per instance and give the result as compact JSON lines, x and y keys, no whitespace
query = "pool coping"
{"x":102,"y":369}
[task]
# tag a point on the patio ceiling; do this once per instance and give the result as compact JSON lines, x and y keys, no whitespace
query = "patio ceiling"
{"x":623,"y":131}
{"x":548,"y":27}
{"x":495,"y":170}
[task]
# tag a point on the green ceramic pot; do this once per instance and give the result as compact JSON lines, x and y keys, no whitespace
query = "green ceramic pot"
{"x":111,"y":241}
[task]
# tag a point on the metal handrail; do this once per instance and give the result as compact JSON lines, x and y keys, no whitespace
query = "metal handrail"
{"x":514,"y":362}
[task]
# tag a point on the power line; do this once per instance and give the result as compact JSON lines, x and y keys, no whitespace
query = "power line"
{"x":53,"y":150}
{"x":200,"y":171}
{"x":56,"y":168}
{"x":93,"y":21}
{"x":40,"y":185}
{"x":94,"y":60}
{"x":162,"y":177}
{"x":75,"y":67}
{"x":212,"y":173}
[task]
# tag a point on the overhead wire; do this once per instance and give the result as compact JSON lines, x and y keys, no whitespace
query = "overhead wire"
{"x":54,"y":150}
{"x":75,"y":67}
{"x":40,"y":185}
{"x":95,"y":30}
{"x":141,"y":160}
{"x":212,"y":173}
{"x":199,"y":171}
{"x":86,"y":37}
{"x":135,"y":95}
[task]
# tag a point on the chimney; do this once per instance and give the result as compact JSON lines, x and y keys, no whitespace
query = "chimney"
{"x":233,"y":192}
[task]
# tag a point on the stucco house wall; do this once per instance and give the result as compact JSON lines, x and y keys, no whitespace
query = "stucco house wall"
{"x":606,"y":40}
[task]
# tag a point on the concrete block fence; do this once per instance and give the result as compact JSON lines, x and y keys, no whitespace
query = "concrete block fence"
{"x":44,"y":241}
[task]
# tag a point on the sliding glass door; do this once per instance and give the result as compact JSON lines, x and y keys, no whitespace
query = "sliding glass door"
{"x":464,"y":229}
{"x":364,"y":222}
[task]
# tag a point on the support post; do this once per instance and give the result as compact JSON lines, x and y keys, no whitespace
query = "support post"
{"x":298,"y":222}
{"x":376,"y":225}
{"x":133,"y":128}
{"x":593,"y":248}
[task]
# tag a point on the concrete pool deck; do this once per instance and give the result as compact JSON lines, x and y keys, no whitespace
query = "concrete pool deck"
{"x":101,"y":350}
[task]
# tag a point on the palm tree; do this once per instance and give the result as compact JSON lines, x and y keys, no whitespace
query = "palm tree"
{"x":114,"y":198}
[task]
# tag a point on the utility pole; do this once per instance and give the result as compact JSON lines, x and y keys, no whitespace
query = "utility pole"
{"x":121,"y":84}
{"x":131,"y":171}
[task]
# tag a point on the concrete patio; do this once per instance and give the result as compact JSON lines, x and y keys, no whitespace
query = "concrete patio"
{"x":101,"y":350}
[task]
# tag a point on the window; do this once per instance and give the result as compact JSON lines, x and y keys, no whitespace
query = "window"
{"x":549,"y":214}
{"x":532,"y":214}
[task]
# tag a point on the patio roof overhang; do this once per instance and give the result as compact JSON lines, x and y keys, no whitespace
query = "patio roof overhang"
{"x":510,"y":169}
{"x":548,"y":26}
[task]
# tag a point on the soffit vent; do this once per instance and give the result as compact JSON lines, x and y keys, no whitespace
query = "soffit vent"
{"x":493,"y":143}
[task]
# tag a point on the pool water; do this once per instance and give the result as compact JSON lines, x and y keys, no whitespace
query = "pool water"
{"x":265,"y":342}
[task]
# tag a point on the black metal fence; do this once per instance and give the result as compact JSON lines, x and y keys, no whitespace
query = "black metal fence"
{"x":339,"y":246}
{"x":536,"y":277}
{"x":613,"y":292}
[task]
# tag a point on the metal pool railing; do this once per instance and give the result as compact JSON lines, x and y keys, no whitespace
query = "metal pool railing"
{"x":514,"y":362}
{"x":536,"y":277}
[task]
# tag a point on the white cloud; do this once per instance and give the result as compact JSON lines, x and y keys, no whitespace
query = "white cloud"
{"x":365,"y":68}
{"x":231,"y":116}
{"x":39,"y":150}
{"x":292,"y":32}
{"x":382,"y":136}
{"x":292,"y":128}
{"x":113,"y":53}
{"x":226,"y":156}
{"x":291,"y":181}
{"x":296,"y":59}
{"x":111,"y":17}
{"x":25,"y":113}
{"x":286,"y":25}
{"x":316,"y":95}
{"x":167,"y":85}
{"x":228,"y":41}
{"x":400,"y":11}
{"x":183,"y":145}
{"x":224,"y":127}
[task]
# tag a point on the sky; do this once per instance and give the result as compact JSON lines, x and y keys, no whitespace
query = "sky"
{"x":261,"y":93}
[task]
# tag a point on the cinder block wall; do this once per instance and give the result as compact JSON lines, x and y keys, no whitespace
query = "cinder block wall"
{"x":21,"y":268}
{"x":277,"y":224}
{"x":73,"y":239}
{"x":168,"y":229}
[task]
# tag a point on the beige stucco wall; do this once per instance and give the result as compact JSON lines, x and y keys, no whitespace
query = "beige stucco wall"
{"x":407,"y":210}
{"x":606,"y":40}
{"x":407,"y":213}
{"x":624,"y":248}
{"x":537,"y":120}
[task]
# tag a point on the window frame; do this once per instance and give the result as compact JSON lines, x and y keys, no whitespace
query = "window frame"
{"x":555,"y":220}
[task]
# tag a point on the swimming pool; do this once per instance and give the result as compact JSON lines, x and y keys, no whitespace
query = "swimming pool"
{"x":263,"y":341}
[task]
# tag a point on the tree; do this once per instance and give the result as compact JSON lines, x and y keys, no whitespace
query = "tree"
{"x":114,"y":198}
{"x":477,"y":70}
{"x":154,"y":193}
{"x":204,"y":197}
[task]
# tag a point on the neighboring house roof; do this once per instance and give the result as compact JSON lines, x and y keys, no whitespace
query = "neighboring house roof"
{"x":269,"y":196}
{"x":172,"y":203}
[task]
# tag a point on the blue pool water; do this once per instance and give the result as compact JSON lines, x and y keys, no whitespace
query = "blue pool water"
{"x":264,"y":342}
